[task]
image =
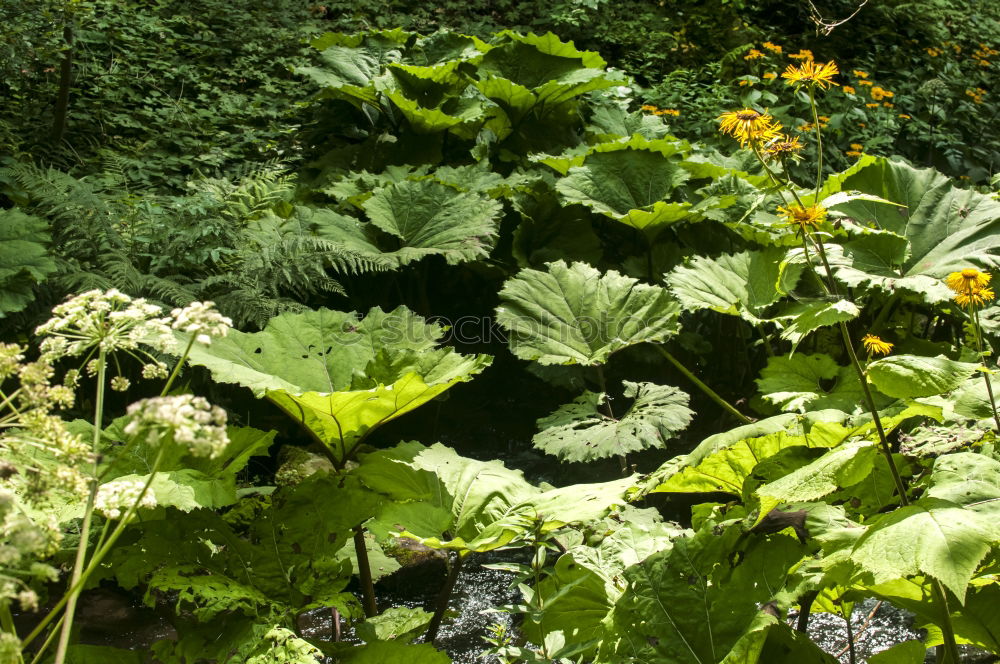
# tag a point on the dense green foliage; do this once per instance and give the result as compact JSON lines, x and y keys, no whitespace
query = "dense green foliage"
{"x":350,"y":199}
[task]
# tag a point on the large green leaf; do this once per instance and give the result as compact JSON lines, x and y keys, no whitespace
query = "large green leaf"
{"x":521,"y":73}
{"x":581,"y":431}
{"x":630,"y":183}
{"x":431,"y":218}
{"x":796,"y":384}
{"x":911,"y":376}
{"x":875,"y":260}
{"x":24,"y":258}
{"x":572,"y":314}
{"x":934,"y":537}
{"x":688,"y":605}
{"x":742,"y":284}
{"x":490,"y":505}
{"x":967,"y":479}
{"x":394,"y":652}
{"x":339,"y":375}
{"x":948,"y":228}
{"x":842,"y":466}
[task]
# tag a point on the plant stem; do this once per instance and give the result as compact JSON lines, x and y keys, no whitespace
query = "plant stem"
{"x":986,"y":375}
{"x":441,"y":605}
{"x":852,"y":656}
{"x":606,"y":406}
{"x":819,"y":141}
{"x":81,"y":550}
{"x":949,"y":653}
{"x":703,"y":387}
{"x":870,"y":404}
{"x":805,"y":607}
{"x":177,"y":367}
{"x":98,"y":556}
{"x":365,"y":573}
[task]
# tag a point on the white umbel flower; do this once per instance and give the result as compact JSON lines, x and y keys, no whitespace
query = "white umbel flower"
{"x":118,"y":495}
{"x":190,"y":421}
{"x":202,"y":320}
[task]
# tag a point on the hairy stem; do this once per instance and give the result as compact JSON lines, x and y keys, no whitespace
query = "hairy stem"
{"x":702,"y":386}
{"x":365,"y":573}
{"x":606,"y":407}
{"x":986,"y":376}
{"x":819,"y":140}
{"x":805,"y":607}
{"x":81,"y":550}
{"x":441,"y":605}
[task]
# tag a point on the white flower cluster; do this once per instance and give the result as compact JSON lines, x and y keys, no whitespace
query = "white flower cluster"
{"x":119,"y":495}
{"x":10,"y":360}
{"x":202,"y":320}
{"x":191,"y":421}
{"x":108,"y":320}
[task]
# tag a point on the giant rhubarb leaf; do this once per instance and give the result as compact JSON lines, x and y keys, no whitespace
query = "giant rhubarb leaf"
{"x":339,"y":375}
{"x":573,"y":314}
{"x":582,"y":431}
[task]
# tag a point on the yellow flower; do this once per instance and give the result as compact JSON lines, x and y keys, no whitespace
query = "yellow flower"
{"x":860,"y":74}
{"x":786,"y":145}
{"x":904,"y":116}
{"x":813,"y":215}
{"x":648,"y":107}
{"x":933,"y":52}
{"x":770,"y":75}
{"x":852,"y":153}
{"x":810,"y":72}
{"x":772,"y":47}
{"x":753,"y":55}
{"x":849,"y":90}
{"x":967,"y":279}
{"x":887,"y":104}
{"x":749,"y":126}
{"x":803,"y":54}
{"x":975,"y":297}
{"x":856,"y":146}
{"x":880,"y":93}
{"x":872,"y":105}
{"x":667,"y":111}
{"x":743,"y":83}
{"x":865,"y":83}
{"x":876,"y":346}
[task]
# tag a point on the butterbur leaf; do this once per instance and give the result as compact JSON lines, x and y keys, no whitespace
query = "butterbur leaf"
{"x":934,"y":537}
{"x":796,"y":383}
{"x":382,"y":652}
{"x":742,"y":284}
{"x":840,"y":467}
{"x":907,"y":652}
{"x":573,"y":314}
{"x":339,"y":375}
{"x":967,"y":479}
{"x":912,"y":376}
{"x":581,"y":431}
{"x":687,"y":606}
{"x":432,"y":218}
{"x":490,"y":505}
{"x":632,"y":184}
{"x":947,"y":227}
{"x":398,"y":623}
{"x":808,"y":316}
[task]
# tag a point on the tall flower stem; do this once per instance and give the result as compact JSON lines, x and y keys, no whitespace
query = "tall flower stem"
{"x":986,"y":375}
{"x":99,"y":553}
{"x":819,"y":140}
{"x":81,"y":551}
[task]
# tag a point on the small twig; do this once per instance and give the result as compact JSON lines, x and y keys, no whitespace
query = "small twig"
{"x":826,"y":27}
{"x":864,"y":626}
